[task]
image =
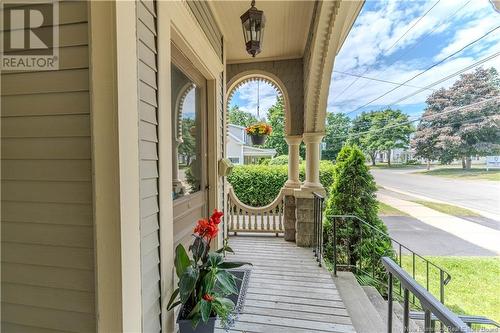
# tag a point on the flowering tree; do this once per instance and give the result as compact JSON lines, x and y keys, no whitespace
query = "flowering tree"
{"x":447,"y":135}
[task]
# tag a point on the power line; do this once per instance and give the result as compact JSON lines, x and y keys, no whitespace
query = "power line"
{"x":422,"y":39}
{"x":424,"y":71}
{"x":390,"y":48}
{"x":494,"y":55}
{"x":497,"y":98}
{"x":379,"y":80}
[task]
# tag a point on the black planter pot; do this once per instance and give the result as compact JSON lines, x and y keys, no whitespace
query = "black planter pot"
{"x":185,"y":326}
{"x":258,"y":140}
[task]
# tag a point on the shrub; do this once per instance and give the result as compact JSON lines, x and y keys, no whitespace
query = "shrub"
{"x":353,"y":193}
{"x":281,"y":160}
{"x":259,"y":185}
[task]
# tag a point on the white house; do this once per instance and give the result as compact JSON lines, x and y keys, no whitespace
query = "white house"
{"x":239,"y":148}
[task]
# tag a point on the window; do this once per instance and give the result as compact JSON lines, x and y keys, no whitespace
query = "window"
{"x":188,"y":140}
{"x":235,"y":160}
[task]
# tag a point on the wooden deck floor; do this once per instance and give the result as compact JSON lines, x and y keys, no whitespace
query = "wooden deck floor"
{"x":287,"y":291}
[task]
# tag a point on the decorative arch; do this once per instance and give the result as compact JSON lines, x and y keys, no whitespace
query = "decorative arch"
{"x":179,"y":104}
{"x":253,"y":75}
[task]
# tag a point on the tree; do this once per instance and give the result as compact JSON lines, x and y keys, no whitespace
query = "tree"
{"x":188,"y":145}
{"x":240,"y":117}
{"x":337,"y":129}
{"x":446,"y":133}
{"x":391,"y":129}
{"x":353,"y":193}
{"x":276,"y":118}
{"x":359,"y":134}
{"x":384,"y":130}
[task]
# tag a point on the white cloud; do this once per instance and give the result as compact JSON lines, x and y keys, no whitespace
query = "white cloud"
{"x":376,"y":31}
{"x":247,"y":95}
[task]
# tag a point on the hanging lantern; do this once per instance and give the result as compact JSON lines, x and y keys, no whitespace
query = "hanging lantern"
{"x":253,"y":22}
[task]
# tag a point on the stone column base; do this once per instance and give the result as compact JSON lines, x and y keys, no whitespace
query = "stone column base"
{"x":304,"y":225}
{"x":289,"y":223}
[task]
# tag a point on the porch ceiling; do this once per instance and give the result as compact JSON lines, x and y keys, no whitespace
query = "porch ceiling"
{"x":285,"y":35}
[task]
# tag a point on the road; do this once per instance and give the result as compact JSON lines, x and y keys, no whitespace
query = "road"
{"x":478,"y":195}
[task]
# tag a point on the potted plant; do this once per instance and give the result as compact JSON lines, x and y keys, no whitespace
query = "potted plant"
{"x":204,"y":280}
{"x":259,"y":132}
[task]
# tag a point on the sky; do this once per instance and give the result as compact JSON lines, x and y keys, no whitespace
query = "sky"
{"x":394,"y":41}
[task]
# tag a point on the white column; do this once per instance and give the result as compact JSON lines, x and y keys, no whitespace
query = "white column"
{"x":312,"y":141}
{"x":293,"y":161}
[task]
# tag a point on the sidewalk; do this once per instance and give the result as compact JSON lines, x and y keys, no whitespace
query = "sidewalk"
{"x":471,"y":232}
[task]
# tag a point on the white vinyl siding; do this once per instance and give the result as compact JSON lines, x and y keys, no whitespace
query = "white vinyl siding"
{"x":148,"y":154}
{"x":47,"y":227}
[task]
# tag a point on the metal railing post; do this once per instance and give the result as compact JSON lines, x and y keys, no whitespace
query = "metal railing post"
{"x":320,"y":248}
{"x":406,"y":311}
{"x":428,"y":322}
{"x":334,"y":246}
{"x":441,"y":286}
{"x":389,"y":304}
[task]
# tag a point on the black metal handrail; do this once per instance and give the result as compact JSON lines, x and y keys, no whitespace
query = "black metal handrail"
{"x":317,"y":243}
{"x":430,"y":304}
{"x":444,"y":276}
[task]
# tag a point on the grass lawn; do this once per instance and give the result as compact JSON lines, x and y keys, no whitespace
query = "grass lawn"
{"x":474,"y":173}
{"x":474,"y":288}
{"x":386,"y":210}
{"x":447,"y":209}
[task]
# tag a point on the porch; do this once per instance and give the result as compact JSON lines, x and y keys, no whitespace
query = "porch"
{"x":287,"y":290}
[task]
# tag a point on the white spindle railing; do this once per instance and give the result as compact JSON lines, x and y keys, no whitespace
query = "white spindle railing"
{"x":244,"y":218}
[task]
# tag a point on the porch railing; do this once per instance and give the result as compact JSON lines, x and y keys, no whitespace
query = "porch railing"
{"x":317,"y":243}
{"x":244,"y":218}
{"x":430,"y":305}
{"x":359,"y":253}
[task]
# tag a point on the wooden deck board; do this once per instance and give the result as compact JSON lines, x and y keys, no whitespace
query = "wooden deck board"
{"x":287,"y":291}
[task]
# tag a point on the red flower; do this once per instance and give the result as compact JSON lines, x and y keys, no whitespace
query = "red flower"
{"x":206,"y":229}
{"x":208,"y":298}
{"x":215,"y":218}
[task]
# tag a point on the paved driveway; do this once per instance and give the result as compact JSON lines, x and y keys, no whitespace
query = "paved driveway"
{"x":428,"y":240}
{"x":478,"y":195}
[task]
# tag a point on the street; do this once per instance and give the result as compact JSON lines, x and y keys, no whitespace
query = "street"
{"x":481,"y":196}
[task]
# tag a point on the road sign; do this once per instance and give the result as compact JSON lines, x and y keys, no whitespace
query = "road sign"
{"x":492,"y":162}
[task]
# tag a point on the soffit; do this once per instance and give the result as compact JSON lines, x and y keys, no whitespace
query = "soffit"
{"x":285,"y":34}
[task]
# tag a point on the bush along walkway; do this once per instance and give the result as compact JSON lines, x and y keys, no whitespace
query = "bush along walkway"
{"x":471,"y":232}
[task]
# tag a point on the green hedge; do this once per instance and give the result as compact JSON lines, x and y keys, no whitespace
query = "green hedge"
{"x":259,"y":185}
{"x":281,"y":160}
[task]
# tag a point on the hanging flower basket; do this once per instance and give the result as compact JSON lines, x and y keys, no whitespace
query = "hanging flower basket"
{"x":259,"y":133}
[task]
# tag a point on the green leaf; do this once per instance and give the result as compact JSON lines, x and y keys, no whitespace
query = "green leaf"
{"x":225,"y":249}
{"x":199,"y":248}
{"x":181,"y":260}
{"x":233,"y":264}
{"x":174,"y":305}
{"x":215,"y":259}
{"x":225,"y":302}
{"x":172,"y":299}
{"x":187,"y":283}
{"x":209,"y":281}
{"x":195,"y":312}
{"x":205,"y":310}
{"x":227,"y":282}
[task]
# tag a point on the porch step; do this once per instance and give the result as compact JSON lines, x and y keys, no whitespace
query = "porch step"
{"x":380,"y":305}
{"x":364,"y":315}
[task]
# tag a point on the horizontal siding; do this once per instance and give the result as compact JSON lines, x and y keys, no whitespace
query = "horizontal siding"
{"x":148,"y":154}
{"x":206,"y":20}
{"x":47,"y":226}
